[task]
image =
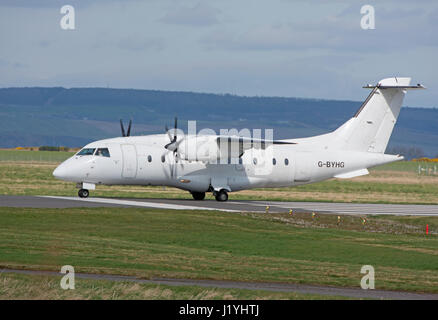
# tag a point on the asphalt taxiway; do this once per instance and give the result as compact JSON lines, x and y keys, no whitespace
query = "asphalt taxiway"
{"x":230,"y":206}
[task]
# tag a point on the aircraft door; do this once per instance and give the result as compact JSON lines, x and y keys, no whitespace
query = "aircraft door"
{"x":303,"y":168}
{"x":129,"y":157}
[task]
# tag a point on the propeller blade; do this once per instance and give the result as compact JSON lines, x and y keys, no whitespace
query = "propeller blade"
{"x":123,"y":129}
{"x":128,"y":133}
{"x":174,"y":169}
{"x":170,"y":146}
{"x":169,"y":164}
{"x":174,"y":130}
{"x":172,"y":140}
{"x":173,"y":146}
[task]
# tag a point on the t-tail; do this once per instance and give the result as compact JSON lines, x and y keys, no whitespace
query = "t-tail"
{"x":372,"y":125}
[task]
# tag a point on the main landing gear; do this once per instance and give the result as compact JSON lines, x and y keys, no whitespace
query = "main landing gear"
{"x":83,"y":193}
{"x":221,"y":195}
{"x":198,"y":195}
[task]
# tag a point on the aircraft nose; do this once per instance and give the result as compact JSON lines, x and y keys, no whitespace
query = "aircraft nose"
{"x":60,"y":172}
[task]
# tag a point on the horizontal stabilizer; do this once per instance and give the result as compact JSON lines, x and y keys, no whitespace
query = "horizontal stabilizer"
{"x":418,"y":86}
{"x":395,"y":83}
{"x":353,"y":174}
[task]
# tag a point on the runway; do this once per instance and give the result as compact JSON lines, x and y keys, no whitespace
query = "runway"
{"x":229,"y":206}
{"x":266,"y":286}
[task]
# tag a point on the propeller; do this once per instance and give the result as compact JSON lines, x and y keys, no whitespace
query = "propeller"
{"x":173,"y":146}
{"x":128,"y":132}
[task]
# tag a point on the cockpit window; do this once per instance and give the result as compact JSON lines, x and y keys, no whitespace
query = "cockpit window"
{"x":86,"y":152}
{"x":103,"y":152}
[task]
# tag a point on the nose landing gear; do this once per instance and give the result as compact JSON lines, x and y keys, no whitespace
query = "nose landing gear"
{"x":83,"y":189}
{"x":83,"y":193}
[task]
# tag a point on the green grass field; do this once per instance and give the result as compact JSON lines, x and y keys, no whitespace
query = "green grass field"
{"x":216,"y":245}
{"x":404,"y":166}
{"x":48,"y":288}
{"x":34,"y":156}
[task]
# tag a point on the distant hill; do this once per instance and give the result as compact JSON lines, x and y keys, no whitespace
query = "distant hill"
{"x":74,"y":117}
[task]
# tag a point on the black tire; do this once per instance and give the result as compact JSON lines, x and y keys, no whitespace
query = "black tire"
{"x":221,"y":196}
{"x":198,"y":195}
{"x":83,"y":193}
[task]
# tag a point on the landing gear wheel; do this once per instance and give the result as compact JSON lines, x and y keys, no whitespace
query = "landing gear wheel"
{"x":83,"y":193}
{"x":221,"y":195}
{"x":198,"y":195}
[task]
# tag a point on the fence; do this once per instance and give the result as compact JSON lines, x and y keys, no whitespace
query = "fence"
{"x":34,"y":156}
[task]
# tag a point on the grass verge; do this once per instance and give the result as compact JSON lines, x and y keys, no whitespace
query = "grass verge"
{"x":223,"y":246}
{"x":34,"y":287}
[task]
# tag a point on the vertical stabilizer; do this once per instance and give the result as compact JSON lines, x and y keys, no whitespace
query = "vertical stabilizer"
{"x":371,"y":127}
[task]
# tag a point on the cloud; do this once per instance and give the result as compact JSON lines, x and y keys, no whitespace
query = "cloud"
{"x":51,"y":3}
{"x":12,"y":64}
{"x":44,"y":43}
{"x":399,"y":28}
{"x":30,"y":3}
{"x":199,"y":15}
{"x":133,"y":42}
{"x":268,"y":37}
{"x":432,"y":17}
{"x":139,"y":44}
{"x":309,"y":48}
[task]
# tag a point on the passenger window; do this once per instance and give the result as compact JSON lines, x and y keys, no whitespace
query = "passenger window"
{"x":274,"y":162}
{"x":149,"y":158}
{"x":103,"y":152}
{"x":86,"y":152}
{"x":286,"y":161}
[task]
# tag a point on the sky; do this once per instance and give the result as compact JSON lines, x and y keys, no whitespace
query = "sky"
{"x":311,"y":49}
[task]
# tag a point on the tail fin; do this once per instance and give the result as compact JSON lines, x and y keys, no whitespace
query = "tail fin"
{"x":372,"y":125}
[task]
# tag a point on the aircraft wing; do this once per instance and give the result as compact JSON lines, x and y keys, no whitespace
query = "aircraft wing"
{"x":240,"y":144}
{"x":213,"y":147}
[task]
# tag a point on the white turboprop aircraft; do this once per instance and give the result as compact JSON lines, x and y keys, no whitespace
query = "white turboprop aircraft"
{"x":222,"y":164}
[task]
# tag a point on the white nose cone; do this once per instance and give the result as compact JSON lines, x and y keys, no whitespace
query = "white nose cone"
{"x":60,"y":172}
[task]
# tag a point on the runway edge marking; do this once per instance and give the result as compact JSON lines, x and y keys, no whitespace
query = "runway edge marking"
{"x":140,"y":204}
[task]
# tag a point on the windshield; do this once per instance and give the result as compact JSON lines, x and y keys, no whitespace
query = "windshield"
{"x":103,"y":152}
{"x":86,"y":152}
